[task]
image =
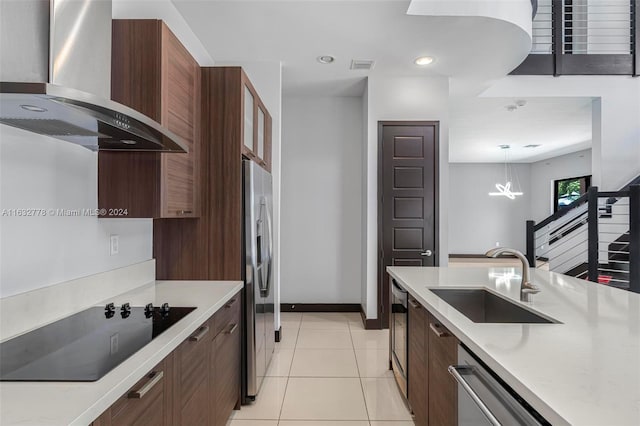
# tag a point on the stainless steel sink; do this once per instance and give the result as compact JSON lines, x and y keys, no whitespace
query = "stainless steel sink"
{"x":480,"y":305}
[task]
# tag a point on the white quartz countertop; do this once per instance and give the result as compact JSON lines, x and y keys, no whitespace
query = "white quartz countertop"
{"x":79,"y":403}
{"x":585,"y":371}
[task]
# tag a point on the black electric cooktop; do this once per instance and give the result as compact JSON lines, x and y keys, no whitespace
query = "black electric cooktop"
{"x":85,"y":346}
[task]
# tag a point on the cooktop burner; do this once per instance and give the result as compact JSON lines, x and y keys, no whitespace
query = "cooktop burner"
{"x":85,"y":346}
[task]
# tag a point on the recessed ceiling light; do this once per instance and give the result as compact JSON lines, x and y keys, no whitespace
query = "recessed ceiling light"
{"x":326,"y":59}
{"x":521,"y":102}
{"x":33,"y":108}
{"x":533,"y":145}
{"x":504,"y":146}
{"x":511,"y":108}
{"x":423,"y":60}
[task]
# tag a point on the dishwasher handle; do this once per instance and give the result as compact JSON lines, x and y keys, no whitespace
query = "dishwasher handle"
{"x":397,"y":288}
{"x":400,"y":295}
{"x":455,"y":371}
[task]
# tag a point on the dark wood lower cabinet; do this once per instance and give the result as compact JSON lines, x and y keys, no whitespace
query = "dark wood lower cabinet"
{"x":432,"y":391}
{"x":191,"y":391}
{"x":196,"y":384}
{"x":226,"y":361}
{"x":148,"y":402}
{"x":443,"y":390}
{"x":418,"y":380}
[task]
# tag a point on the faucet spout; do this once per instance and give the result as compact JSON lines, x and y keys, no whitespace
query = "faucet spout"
{"x":526,"y":286}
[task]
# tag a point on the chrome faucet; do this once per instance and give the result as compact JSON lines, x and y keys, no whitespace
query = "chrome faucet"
{"x":526,"y":286}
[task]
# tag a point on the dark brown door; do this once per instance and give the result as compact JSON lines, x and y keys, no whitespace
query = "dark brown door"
{"x":408,"y":200}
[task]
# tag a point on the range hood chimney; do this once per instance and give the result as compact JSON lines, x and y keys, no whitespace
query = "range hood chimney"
{"x":55,"y":77}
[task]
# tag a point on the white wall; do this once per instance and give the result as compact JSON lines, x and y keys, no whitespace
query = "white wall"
{"x":543,"y":173}
{"x":616,"y":112}
{"x":402,"y":98}
{"x":38,"y":172}
{"x":321,"y":200}
{"x":477,"y":221}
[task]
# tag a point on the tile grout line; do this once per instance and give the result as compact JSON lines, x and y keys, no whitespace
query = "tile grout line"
{"x":284,"y":397}
{"x":364,"y":396}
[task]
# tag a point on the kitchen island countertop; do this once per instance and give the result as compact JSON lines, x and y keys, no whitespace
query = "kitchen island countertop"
{"x":79,"y":403}
{"x":583,"y":371}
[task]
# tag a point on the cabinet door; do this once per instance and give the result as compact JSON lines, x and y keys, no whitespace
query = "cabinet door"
{"x":443,"y":391}
{"x":154,"y":74}
{"x":145,"y":403}
{"x":418,"y":380}
{"x":226,"y":367}
{"x":261,"y":133}
{"x":180,"y":108}
{"x":248,"y":119}
{"x":191,"y":392}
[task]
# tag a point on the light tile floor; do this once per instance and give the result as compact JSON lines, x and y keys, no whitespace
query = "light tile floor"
{"x":327,"y":371}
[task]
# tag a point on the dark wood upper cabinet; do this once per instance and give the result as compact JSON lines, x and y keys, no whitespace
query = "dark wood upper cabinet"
{"x":153,"y":73}
{"x":256,"y":124}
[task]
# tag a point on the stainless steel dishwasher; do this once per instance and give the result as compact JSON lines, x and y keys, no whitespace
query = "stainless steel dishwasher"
{"x":484,"y":400}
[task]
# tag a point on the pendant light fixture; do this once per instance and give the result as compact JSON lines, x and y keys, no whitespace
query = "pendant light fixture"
{"x":508,"y":189}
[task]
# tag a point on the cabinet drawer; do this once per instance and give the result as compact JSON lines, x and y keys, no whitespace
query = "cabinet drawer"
{"x":144,"y":403}
{"x":443,"y":391}
{"x":226,"y":379}
{"x":227,"y":314}
{"x":418,"y":379}
{"x":191,"y":361}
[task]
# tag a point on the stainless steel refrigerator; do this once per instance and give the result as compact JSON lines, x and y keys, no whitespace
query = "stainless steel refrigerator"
{"x":259,"y":304}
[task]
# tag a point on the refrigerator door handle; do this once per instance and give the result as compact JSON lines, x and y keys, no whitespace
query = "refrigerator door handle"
{"x":264,"y":261}
{"x":269,"y":248}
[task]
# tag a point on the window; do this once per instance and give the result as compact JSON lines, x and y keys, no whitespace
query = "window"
{"x":566,"y":191}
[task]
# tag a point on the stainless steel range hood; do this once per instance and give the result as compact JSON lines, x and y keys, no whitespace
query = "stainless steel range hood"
{"x":55,"y":77}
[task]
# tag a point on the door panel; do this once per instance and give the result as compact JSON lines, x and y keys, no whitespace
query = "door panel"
{"x":408,"y":202}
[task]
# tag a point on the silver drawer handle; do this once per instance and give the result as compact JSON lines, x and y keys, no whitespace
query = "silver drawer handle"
{"x":436,"y":329}
{"x":427,"y":253}
{"x":231,"y":329}
{"x":185,"y":211}
{"x":154,"y":377}
{"x":200,"y":334}
{"x":453,"y":370}
{"x":229,"y":303}
{"x":413,"y":304}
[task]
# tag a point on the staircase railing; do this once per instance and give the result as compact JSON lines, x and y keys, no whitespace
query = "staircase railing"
{"x":584,"y":37}
{"x":596,"y":238}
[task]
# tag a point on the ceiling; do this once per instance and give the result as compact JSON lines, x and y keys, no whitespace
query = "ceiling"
{"x":295,"y":33}
{"x":479,"y":125}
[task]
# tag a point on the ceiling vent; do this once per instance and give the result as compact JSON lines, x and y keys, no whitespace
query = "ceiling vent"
{"x":361,"y":64}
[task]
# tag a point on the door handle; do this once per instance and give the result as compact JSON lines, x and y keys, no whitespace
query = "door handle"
{"x":427,"y":253}
{"x":436,"y":329}
{"x":455,"y":371}
{"x":200,"y":334}
{"x":154,"y":377}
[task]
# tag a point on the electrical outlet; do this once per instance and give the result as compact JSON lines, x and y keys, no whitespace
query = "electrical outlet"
{"x":114,"y":344}
{"x":114,"y":245}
